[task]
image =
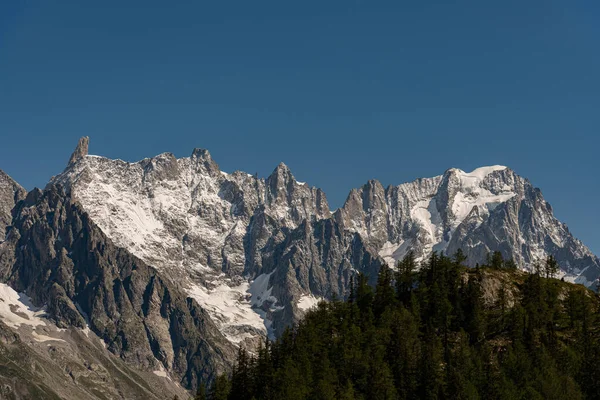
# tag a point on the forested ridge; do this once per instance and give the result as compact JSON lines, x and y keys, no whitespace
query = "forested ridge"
{"x":441,"y":331}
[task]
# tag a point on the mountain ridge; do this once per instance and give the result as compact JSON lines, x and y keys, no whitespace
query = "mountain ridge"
{"x":223,"y":231}
{"x":182,"y":243}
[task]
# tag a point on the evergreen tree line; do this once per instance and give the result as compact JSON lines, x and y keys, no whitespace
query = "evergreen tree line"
{"x":432,"y":333}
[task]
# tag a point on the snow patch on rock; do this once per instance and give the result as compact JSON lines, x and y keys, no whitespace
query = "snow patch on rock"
{"x":307,"y":301}
{"x":230,"y":306}
{"x":16,"y":309}
{"x":44,"y":338}
{"x":260,"y":290}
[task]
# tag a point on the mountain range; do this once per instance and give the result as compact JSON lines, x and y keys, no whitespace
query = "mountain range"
{"x":163,"y":267}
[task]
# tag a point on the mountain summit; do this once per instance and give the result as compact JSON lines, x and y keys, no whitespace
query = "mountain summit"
{"x":80,"y":151}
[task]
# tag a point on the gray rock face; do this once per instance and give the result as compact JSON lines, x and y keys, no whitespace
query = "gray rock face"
{"x":80,"y":151}
{"x":315,"y":261}
{"x":255,"y":253}
{"x":10,"y":193}
{"x":60,"y":258}
{"x":72,"y":364}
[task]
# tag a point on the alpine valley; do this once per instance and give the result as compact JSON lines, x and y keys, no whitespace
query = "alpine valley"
{"x":128,"y":280}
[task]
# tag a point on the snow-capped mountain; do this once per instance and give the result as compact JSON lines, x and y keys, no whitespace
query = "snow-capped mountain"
{"x":489,"y":209}
{"x":257,"y":252}
{"x":206,"y":227}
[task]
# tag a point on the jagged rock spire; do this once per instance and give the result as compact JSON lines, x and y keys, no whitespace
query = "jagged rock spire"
{"x":202,"y":157}
{"x":80,"y":151}
{"x":10,"y":194}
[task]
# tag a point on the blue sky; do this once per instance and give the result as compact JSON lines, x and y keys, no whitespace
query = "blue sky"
{"x":341,"y":91}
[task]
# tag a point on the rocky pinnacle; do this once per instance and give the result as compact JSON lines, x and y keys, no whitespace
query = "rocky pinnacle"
{"x":10,"y":194}
{"x":80,"y":151}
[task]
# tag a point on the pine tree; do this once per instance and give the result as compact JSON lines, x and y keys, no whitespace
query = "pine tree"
{"x":475,"y":323}
{"x":263,"y":372}
{"x":459,"y":257}
{"x":364,"y":293}
{"x":352,"y":295}
{"x":429,"y":271}
{"x":404,"y":353}
{"x":510,"y":264}
{"x":325,"y":388}
{"x":347,"y":392}
{"x":201,"y":392}
{"x":502,"y":303}
{"x":384,"y":291}
{"x":431,"y":373}
{"x":537,"y":268}
{"x":290,"y":383}
{"x":381,"y":382}
{"x":405,"y":278}
{"x":220,"y":389}
{"x":462,"y":371}
{"x":496,"y":260}
{"x":551,"y":267}
{"x":241,"y":380}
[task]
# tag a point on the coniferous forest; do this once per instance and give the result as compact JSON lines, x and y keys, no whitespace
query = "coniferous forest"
{"x":441,"y":331}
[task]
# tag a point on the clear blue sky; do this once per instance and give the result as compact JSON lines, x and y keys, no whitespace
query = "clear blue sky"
{"x":341,"y":91}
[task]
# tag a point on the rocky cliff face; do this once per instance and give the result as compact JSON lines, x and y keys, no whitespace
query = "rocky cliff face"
{"x":80,"y":151}
{"x":10,"y":193}
{"x":255,"y":253}
{"x":44,"y":362}
{"x":57,"y":255}
{"x":315,"y":261}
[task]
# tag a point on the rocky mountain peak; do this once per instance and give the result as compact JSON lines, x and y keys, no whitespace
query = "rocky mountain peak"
{"x":281,"y":182}
{"x":373,"y":195}
{"x":80,"y":151}
{"x":202,"y":158}
{"x":475,"y":177}
{"x":282,"y":167}
{"x":8,"y":183}
{"x":281,"y":173}
{"x":201,"y":154}
{"x":162,"y":167}
{"x":10,"y":194}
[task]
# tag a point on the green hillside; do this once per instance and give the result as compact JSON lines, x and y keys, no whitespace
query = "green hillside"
{"x":442,"y":332}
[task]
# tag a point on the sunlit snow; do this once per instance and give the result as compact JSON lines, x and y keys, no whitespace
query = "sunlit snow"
{"x":424,"y":212}
{"x":231,"y":308}
{"x":307,"y":301}
{"x":16,"y":309}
